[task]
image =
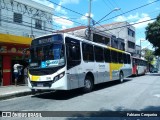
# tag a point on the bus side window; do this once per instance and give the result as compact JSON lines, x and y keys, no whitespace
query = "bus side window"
{"x":98,"y":52}
{"x":114,"y":56}
{"x":107,"y":55}
{"x":125,"y":58}
{"x":120,"y":57}
{"x":73,"y":52}
{"x":128,"y":59}
{"x":88,"y":54}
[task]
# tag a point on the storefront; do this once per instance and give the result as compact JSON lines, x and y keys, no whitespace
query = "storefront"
{"x":11,"y":50}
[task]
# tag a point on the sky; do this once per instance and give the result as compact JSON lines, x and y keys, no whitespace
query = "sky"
{"x":75,"y":13}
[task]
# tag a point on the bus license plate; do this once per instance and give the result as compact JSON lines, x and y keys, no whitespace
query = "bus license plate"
{"x":39,"y":85}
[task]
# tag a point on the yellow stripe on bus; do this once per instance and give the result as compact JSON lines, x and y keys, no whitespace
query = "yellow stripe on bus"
{"x":116,"y":49}
{"x":114,"y":66}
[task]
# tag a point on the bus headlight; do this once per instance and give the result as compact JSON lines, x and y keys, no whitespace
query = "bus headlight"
{"x":58,"y":76}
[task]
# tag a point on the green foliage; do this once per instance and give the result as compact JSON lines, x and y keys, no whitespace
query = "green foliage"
{"x":153,"y":34}
{"x":149,"y":55}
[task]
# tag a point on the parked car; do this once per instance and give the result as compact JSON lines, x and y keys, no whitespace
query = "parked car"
{"x":154,"y":70}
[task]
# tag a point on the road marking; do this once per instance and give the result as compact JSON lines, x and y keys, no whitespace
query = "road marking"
{"x":157,"y":95}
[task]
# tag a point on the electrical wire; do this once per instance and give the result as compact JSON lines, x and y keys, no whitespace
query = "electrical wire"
{"x":52,"y":23}
{"x":69,"y":20}
{"x":106,"y":19}
{"x":67,"y":8}
{"x":128,"y":25}
{"x":106,"y":4}
{"x":52,"y":15}
{"x":28,"y":24}
{"x":131,"y":10}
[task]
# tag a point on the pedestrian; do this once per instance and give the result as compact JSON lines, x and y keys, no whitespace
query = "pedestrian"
{"x":26,"y":75}
{"x":17,"y":71}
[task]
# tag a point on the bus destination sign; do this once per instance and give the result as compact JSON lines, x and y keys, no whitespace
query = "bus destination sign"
{"x":46,"y":40}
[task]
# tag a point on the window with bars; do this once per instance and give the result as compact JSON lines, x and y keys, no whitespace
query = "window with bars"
{"x":38,"y":24}
{"x":17,"y":17}
{"x":131,"y":45}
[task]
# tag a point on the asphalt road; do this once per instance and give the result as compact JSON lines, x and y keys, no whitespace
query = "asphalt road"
{"x":140,"y":93}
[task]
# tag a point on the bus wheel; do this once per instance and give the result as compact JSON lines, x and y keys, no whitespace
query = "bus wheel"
{"x":88,"y":84}
{"x":121,"y":77}
{"x":33,"y":91}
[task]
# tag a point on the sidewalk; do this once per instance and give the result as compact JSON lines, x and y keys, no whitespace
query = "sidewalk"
{"x":7,"y":92}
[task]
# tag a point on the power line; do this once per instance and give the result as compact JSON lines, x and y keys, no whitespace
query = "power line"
{"x":67,"y":8}
{"x":117,"y":5}
{"x":116,"y":9}
{"x":127,"y":25}
{"x":52,"y":15}
{"x":10,"y":17}
{"x":109,"y":18}
{"x":131,"y":10}
{"x":106,"y":4}
{"x":102,"y":27}
{"x":112,"y":5}
{"x":104,"y":20}
{"x":69,"y":20}
{"x":10,"y":20}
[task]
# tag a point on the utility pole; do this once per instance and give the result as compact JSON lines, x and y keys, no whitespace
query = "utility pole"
{"x":31,"y":27}
{"x":140,"y":49}
{"x":89,"y":21}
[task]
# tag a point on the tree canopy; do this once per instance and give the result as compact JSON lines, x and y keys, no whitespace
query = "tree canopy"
{"x":148,"y":55}
{"x":153,"y":34}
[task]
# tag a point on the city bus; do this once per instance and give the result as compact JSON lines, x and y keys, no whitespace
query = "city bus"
{"x":65,"y":62}
{"x":139,"y":66}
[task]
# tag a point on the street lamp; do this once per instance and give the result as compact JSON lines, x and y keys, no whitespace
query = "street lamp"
{"x":89,"y":20}
{"x":31,"y":26}
{"x":141,"y":48}
{"x":115,"y":9}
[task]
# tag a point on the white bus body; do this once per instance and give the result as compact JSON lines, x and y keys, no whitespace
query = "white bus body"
{"x":78,"y":67}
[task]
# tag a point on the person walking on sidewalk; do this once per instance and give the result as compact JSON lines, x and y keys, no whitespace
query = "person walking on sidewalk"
{"x":17,"y":70}
{"x":26,"y":75}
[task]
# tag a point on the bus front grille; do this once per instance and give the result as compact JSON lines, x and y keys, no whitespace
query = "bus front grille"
{"x":41,"y":84}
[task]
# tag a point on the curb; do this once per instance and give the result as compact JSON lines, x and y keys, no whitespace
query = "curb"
{"x":13,"y":95}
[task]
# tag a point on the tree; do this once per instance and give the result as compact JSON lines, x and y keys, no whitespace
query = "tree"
{"x":148,"y":55}
{"x":153,"y":34}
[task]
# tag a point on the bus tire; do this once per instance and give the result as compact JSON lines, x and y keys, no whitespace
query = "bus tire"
{"x":33,"y":91}
{"x":121,"y":77}
{"x":88,"y":84}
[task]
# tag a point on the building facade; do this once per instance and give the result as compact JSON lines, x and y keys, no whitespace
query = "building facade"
{"x":122,"y":30}
{"x":138,"y":52}
{"x":120,"y":35}
{"x":81,"y":31}
{"x":20,"y":22}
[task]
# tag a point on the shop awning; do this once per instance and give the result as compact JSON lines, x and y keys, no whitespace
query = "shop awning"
{"x":7,"y":38}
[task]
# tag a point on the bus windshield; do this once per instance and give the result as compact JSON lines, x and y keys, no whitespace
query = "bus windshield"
{"x":47,"y":56}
